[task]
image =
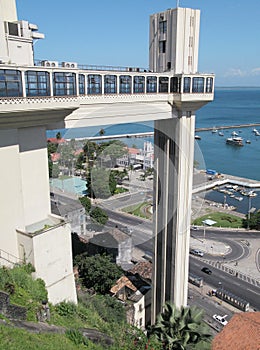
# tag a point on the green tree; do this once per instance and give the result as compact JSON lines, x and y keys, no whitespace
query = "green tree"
{"x":101,"y":132}
{"x":113,"y":149}
{"x":91,"y":149}
{"x":58,"y":135}
{"x":86,"y":202}
{"x":181,"y":329}
{"x":98,"y":272}
{"x":252,"y":221}
{"x":99,"y":215}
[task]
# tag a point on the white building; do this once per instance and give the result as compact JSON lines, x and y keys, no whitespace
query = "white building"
{"x":174,"y":40}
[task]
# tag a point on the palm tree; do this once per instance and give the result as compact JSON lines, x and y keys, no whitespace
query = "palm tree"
{"x":181,"y":329}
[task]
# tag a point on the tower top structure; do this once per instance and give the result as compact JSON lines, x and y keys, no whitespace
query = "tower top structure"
{"x":174,"y":40}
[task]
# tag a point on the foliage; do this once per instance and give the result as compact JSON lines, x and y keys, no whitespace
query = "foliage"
{"x":99,"y":215}
{"x":108,"y":308}
{"x":86,"y":202}
{"x":90,"y":149}
{"x":97,"y":272}
{"x":24,"y":290}
{"x":58,"y":135}
{"x":139,"y":209}
{"x":76,"y":337}
{"x":252,"y":222}
{"x":55,"y":171}
{"x":113,"y":149}
{"x":182,"y":328}
{"x":66,"y":309}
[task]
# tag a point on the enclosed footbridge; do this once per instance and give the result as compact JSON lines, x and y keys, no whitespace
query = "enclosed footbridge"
{"x":61,"y":97}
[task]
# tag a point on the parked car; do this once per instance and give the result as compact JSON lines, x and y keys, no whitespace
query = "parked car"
{"x":194,"y":228}
{"x":196,"y":252}
{"x":206,"y":270}
{"x":221,"y":319}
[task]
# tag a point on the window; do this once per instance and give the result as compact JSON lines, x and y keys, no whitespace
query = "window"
{"x":198,"y":85}
{"x":189,"y":60}
{"x":175,"y":84}
{"x":37,"y":83}
{"x":162,"y":46}
{"x":191,"y":21}
{"x":138,"y":85}
{"x":209,"y":85}
{"x":163,"y":84}
{"x":10,"y":83}
{"x":13,"y":29}
{"x":140,"y":308}
{"x":151,"y":84}
{"x":64,"y":84}
{"x":110,"y":84}
{"x":82,"y":89}
{"x":140,"y":322}
{"x":186,"y":86}
{"x":163,"y":26}
{"x":94,"y":84}
{"x":125,"y":84}
{"x":190,"y":41}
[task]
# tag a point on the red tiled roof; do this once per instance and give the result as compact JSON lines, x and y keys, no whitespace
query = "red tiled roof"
{"x":54,"y":140}
{"x":133,"y":150}
{"x":143,"y":269}
{"x":55,"y":157}
{"x":241,"y":333}
{"x":121,"y":283}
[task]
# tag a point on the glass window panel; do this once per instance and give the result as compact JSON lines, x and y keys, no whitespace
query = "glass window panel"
{"x":186,"y":85}
{"x":163,"y":84}
{"x":209,"y":85}
{"x":110,"y":84}
{"x":175,"y":85}
{"x":198,"y":85}
{"x":94,"y":84}
{"x":151,"y":84}
{"x":138,"y":84}
{"x":125,"y":84}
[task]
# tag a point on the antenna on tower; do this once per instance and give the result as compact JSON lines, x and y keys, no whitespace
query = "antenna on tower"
{"x":177,"y":3}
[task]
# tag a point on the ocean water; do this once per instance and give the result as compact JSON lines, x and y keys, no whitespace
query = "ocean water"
{"x":231,"y":106}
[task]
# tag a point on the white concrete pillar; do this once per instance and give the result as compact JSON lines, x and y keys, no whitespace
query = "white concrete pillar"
{"x":174,"y":149}
{"x":34,"y":173}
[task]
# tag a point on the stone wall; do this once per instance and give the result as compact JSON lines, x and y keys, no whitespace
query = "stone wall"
{"x":10,"y":310}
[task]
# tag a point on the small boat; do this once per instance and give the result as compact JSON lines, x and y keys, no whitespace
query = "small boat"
{"x":221,"y":133}
{"x":248,"y":141}
{"x":197,"y":137}
{"x":254,"y":130}
{"x":257,"y":133}
{"x":214,"y":130}
{"x":239,"y":198}
{"x":236,"y":141}
{"x":234,"y":133}
{"x":252,"y":194}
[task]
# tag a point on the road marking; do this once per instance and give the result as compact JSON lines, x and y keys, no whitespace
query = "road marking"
{"x":253,"y":291}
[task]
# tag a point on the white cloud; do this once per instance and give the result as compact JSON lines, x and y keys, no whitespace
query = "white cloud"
{"x":255,"y":71}
{"x":235,"y":72}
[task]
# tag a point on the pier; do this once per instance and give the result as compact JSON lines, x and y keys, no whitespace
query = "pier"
{"x":228,"y":127}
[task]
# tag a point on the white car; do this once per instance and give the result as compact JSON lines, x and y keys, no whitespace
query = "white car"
{"x":221,"y":319}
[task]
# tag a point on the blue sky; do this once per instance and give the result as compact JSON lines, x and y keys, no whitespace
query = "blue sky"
{"x":116,"y":33}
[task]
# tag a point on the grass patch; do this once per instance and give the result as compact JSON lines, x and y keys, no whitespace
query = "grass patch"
{"x":222,"y":220}
{"x":138,"y":210}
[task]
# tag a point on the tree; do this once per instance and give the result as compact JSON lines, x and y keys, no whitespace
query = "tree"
{"x":114,"y":150}
{"x":98,"y":272}
{"x":86,"y":202}
{"x":252,"y":221}
{"x":101,"y":132}
{"x":58,"y":135}
{"x":99,"y":215}
{"x":182,"y":328}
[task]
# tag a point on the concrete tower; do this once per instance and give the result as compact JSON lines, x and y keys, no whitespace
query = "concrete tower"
{"x":174,"y":37}
{"x":174,"y":41}
{"x":16,"y":37}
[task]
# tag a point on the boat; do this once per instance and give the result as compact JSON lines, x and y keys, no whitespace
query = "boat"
{"x":236,"y":141}
{"x":239,"y":198}
{"x":248,"y":141}
{"x":257,"y":133}
{"x":221,"y":133}
{"x":214,"y":130}
{"x":252,"y":194}
{"x":197,"y":137}
{"x":234,"y":133}
{"x":254,"y":130}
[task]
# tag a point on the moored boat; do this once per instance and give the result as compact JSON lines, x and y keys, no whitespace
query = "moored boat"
{"x":236,"y":141}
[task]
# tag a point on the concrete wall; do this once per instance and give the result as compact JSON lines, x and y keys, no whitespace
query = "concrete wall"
{"x":50,"y":253}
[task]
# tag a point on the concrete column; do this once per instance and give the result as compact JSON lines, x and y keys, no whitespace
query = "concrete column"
{"x":34,"y":173}
{"x":174,"y":149}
